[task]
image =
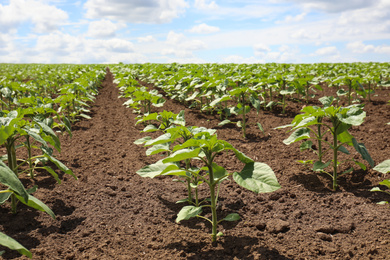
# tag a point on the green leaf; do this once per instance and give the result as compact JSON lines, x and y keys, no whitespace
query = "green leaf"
{"x":386,"y":183}
{"x":318,"y":166}
{"x":219,"y":172}
{"x":297,"y":135}
{"x":361,"y":165}
{"x":376,"y":189}
{"x":8,"y":178}
{"x":53,"y":173}
{"x":343,"y":149}
{"x":162,"y":139}
{"x":153,"y":170}
{"x":37,"y":204}
{"x":14,"y":245}
{"x":4,"y":196}
{"x":85,"y":116}
{"x":158,"y":148}
{"x":306,"y":145}
{"x":225,"y":122}
{"x":142,"y":140}
{"x":261,"y":128}
{"x":383,"y":167}
{"x":326,"y":101}
{"x":257,"y":177}
{"x":361,"y":148}
{"x":150,"y":128}
{"x":60,"y":165}
{"x":181,"y":155}
{"x":188,"y":212}
{"x":232,"y":217}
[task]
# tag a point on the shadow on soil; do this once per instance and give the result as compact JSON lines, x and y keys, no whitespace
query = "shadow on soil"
{"x":229,"y":247}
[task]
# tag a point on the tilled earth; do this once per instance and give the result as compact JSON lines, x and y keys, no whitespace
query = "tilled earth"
{"x":112,"y":213}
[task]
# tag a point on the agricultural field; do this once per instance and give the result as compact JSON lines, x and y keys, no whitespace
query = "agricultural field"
{"x":195,"y":161}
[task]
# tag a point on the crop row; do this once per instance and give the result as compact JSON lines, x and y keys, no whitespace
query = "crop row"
{"x":37,"y":102}
{"x":234,"y":90}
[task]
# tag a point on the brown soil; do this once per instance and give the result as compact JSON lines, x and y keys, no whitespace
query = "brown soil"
{"x":112,"y":213}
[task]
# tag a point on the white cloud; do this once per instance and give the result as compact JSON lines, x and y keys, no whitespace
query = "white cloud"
{"x":261,"y":49}
{"x":360,"y":47}
{"x":305,"y":34}
{"x":327,"y":51}
{"x":146,"y":39}
{"x":204,"y":28}
{"x":291,"y":19}
{"x":103,"y":29}
{"x":118,"y":45}
{"x":336,"y":6}
{"x":44,"y":17}
{"x":139,"y":11}
{"x":180,"y":46}
{"x":203,"y":5}
{"x":241,"y":60}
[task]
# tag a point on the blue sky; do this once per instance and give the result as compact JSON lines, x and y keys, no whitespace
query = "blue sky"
{"x":194,"y":31}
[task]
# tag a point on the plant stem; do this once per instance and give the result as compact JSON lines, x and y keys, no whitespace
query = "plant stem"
{"x":243,"y":116}
{"x":28,"y":144}
{"x":213,"y":202}
{"x":12,"y":165}
{"x":319,"y":140}
{"x":335,"y":156}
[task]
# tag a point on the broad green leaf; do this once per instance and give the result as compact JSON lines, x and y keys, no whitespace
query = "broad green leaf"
{"x":36,"y":136}
{"x":361,"y":148}
{"x":345,"y":138}
{"x":188,"y":212}
{"x":343,"y":149}
{"x":318,"y":166}
{"x":297,"y":135}
{"x":232,"y":217}
{"x":257,"y":177}
{"x":386,"y":183}
{"x":4,"y":196}
{"x":14,"y":245}
{"x":142,"y":140}
{"x":153,"y":170}
{"x":383,"y":167}
{"x":158,"y":148}
{"x":219,"y":172}
{"x":306,"y":145}
{"x":354,"y":116}
{"x":181,"y":155}
{"x":150,"y":128}
{"x":376,"y":189}
{"x":60,"y":165}
{"x":261,"y":128}
{"x":53,"y":173}
{"x":225,"y":122}
{"x":37,"y":204}
{"x":326,"y":101}
{"x":240,"y":156}
{"x":8,"y":178}
{"x":85,"y":116}
{"x":162,"y":139}
{"x":361,"y":165}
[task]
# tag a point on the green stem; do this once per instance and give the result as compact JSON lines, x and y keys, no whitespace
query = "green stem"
{"x":213,"y":202}
{"x":12,"y":165}
{"x":335,"y":148}
{"x":243,"y":116}
{"x":29,"y":156}
{"x":189,"y":181}
{"x":319,"y":140}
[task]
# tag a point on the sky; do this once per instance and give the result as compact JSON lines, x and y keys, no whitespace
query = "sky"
{"x":194,"y":31}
